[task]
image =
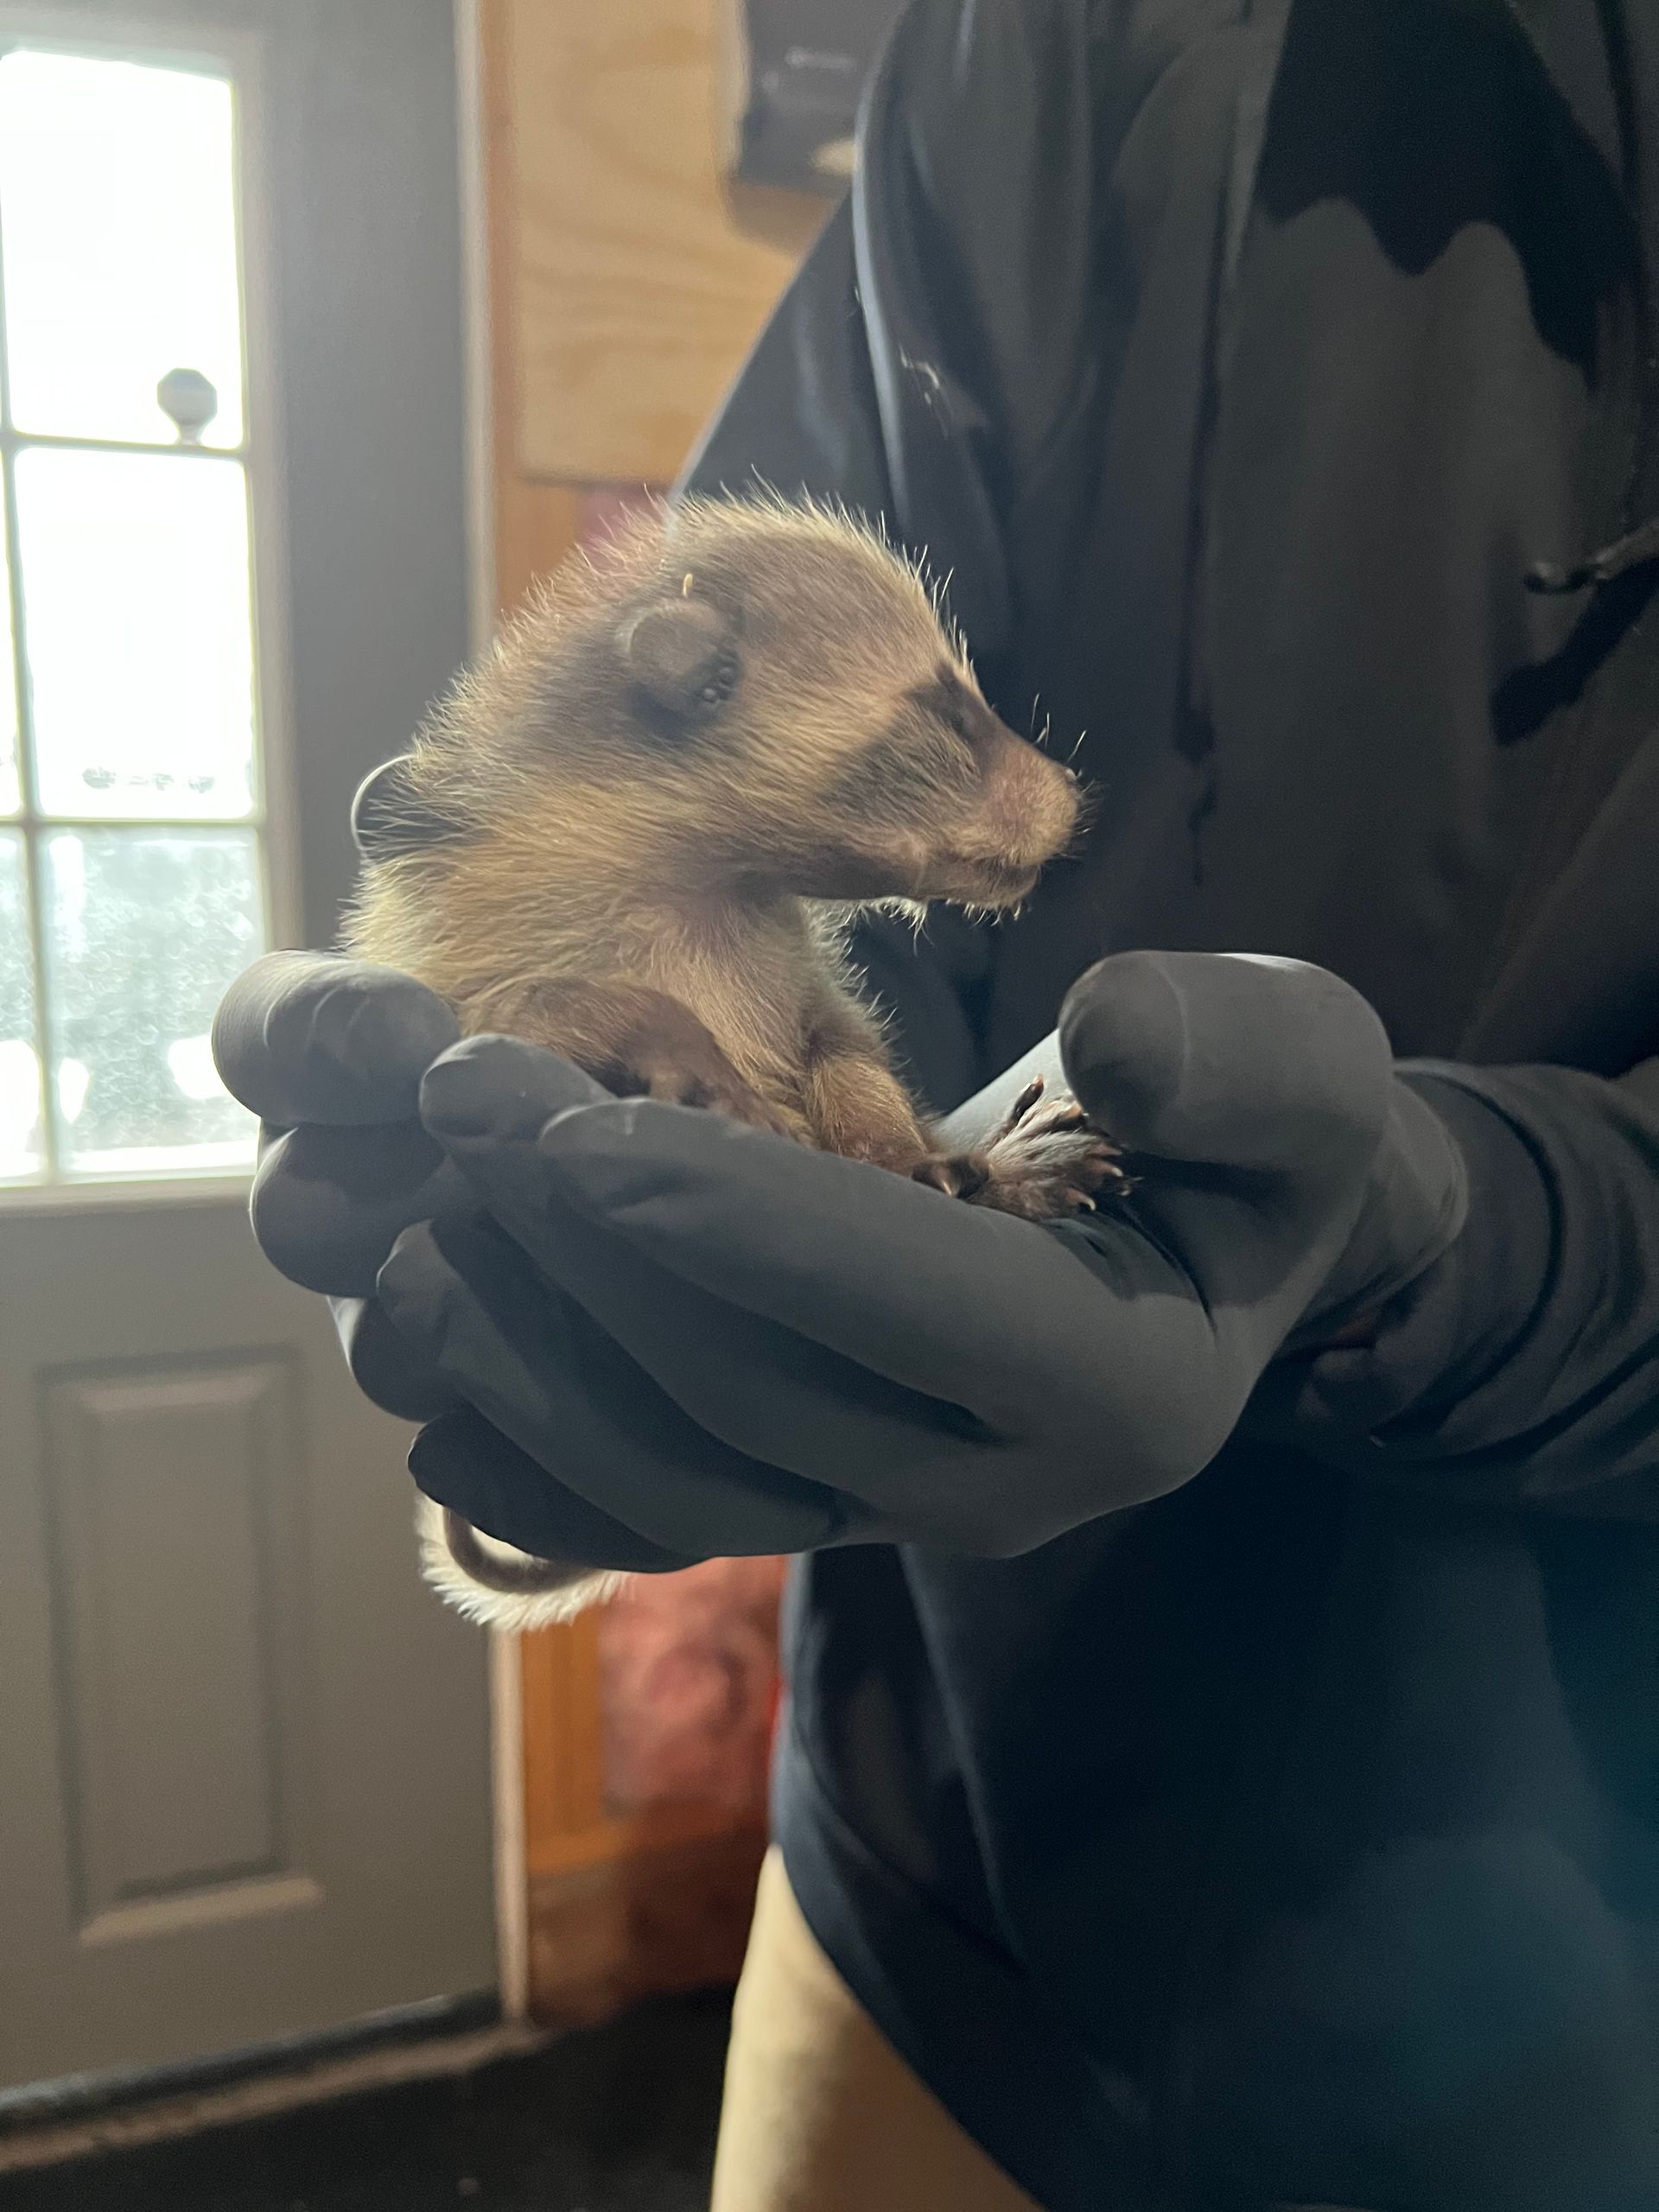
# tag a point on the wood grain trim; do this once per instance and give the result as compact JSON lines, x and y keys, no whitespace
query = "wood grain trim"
{"x":675,"y":1917}
{"x":566,"y":1822}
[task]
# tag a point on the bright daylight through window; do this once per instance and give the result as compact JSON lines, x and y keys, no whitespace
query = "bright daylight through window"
{"x":131,"y":867}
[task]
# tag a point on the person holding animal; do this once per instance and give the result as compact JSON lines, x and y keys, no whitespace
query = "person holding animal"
{"x":1218,"y":1774}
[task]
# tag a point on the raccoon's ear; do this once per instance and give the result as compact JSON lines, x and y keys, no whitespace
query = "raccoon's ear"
{"x":680,"y":655}
{"x":389,"y":818}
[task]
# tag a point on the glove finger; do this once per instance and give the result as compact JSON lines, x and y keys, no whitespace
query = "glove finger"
{"x":537,"y":1366}
{"x":767,"y":1289}
{"x":308,"y":1037}
{"x":1261,"y":1065}
{"x":384,"y":1367}
{"x":738,"y":1370}
{"x":1253,"y":1095}
{"x":1250,"y":1094}
{"x":961,"y":1307}
{"x":460,"y":1461}
{"x":328,"y":1203}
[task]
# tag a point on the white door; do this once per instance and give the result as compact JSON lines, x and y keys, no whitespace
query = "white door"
{"x":244,"y":1754}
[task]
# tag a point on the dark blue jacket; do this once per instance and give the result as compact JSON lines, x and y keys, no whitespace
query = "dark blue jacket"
{"x":1292,"y":1840}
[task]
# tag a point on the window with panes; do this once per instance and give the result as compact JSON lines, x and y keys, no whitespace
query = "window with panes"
{"x":132,"y":823}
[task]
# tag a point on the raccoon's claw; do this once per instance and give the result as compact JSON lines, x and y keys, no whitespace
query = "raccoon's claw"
{"x":1021,"y":1106}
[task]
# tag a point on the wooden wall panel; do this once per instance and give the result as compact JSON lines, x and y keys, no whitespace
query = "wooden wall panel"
{"x":638,"y":295}
{"x":645,"y":1922}
{"x":537,"y":524}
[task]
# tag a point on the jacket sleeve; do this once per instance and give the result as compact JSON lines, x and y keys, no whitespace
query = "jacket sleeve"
{"x":1524,"y":1368}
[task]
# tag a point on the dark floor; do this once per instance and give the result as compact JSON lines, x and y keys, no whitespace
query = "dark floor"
{"x":617,"y":2119}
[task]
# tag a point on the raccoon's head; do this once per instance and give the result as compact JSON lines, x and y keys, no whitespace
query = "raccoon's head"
{"x":740,"y":695}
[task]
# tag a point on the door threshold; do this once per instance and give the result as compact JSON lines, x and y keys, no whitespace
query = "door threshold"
{"x":47,"y":2123}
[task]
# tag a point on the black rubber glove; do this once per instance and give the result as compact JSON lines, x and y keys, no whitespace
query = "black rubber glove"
{"x":641,"y":1335}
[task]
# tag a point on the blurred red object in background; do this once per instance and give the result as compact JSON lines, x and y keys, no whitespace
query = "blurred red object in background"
{"x":689,"y":1686}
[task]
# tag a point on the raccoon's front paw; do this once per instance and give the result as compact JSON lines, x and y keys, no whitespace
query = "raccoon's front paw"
{"x":1046,"y":1163}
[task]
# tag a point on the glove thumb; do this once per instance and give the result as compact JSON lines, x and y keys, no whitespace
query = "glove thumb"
{"x":1256,"y":1066}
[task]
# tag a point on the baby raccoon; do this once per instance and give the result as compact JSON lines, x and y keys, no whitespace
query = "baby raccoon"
{"x":636,"y":834}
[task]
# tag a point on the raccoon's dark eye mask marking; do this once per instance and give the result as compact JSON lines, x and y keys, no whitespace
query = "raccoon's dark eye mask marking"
{"x":948,"y":700}
{"x":389,"y":819}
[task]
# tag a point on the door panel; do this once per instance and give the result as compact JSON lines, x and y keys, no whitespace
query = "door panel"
{"x":173,"y":1567}
{"x":244,"y":1753}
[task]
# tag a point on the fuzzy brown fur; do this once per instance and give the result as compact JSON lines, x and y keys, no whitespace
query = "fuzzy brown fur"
{"x":636,"y":832}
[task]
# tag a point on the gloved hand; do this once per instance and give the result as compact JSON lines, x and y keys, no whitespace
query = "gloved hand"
{"x":640,"y":1334}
